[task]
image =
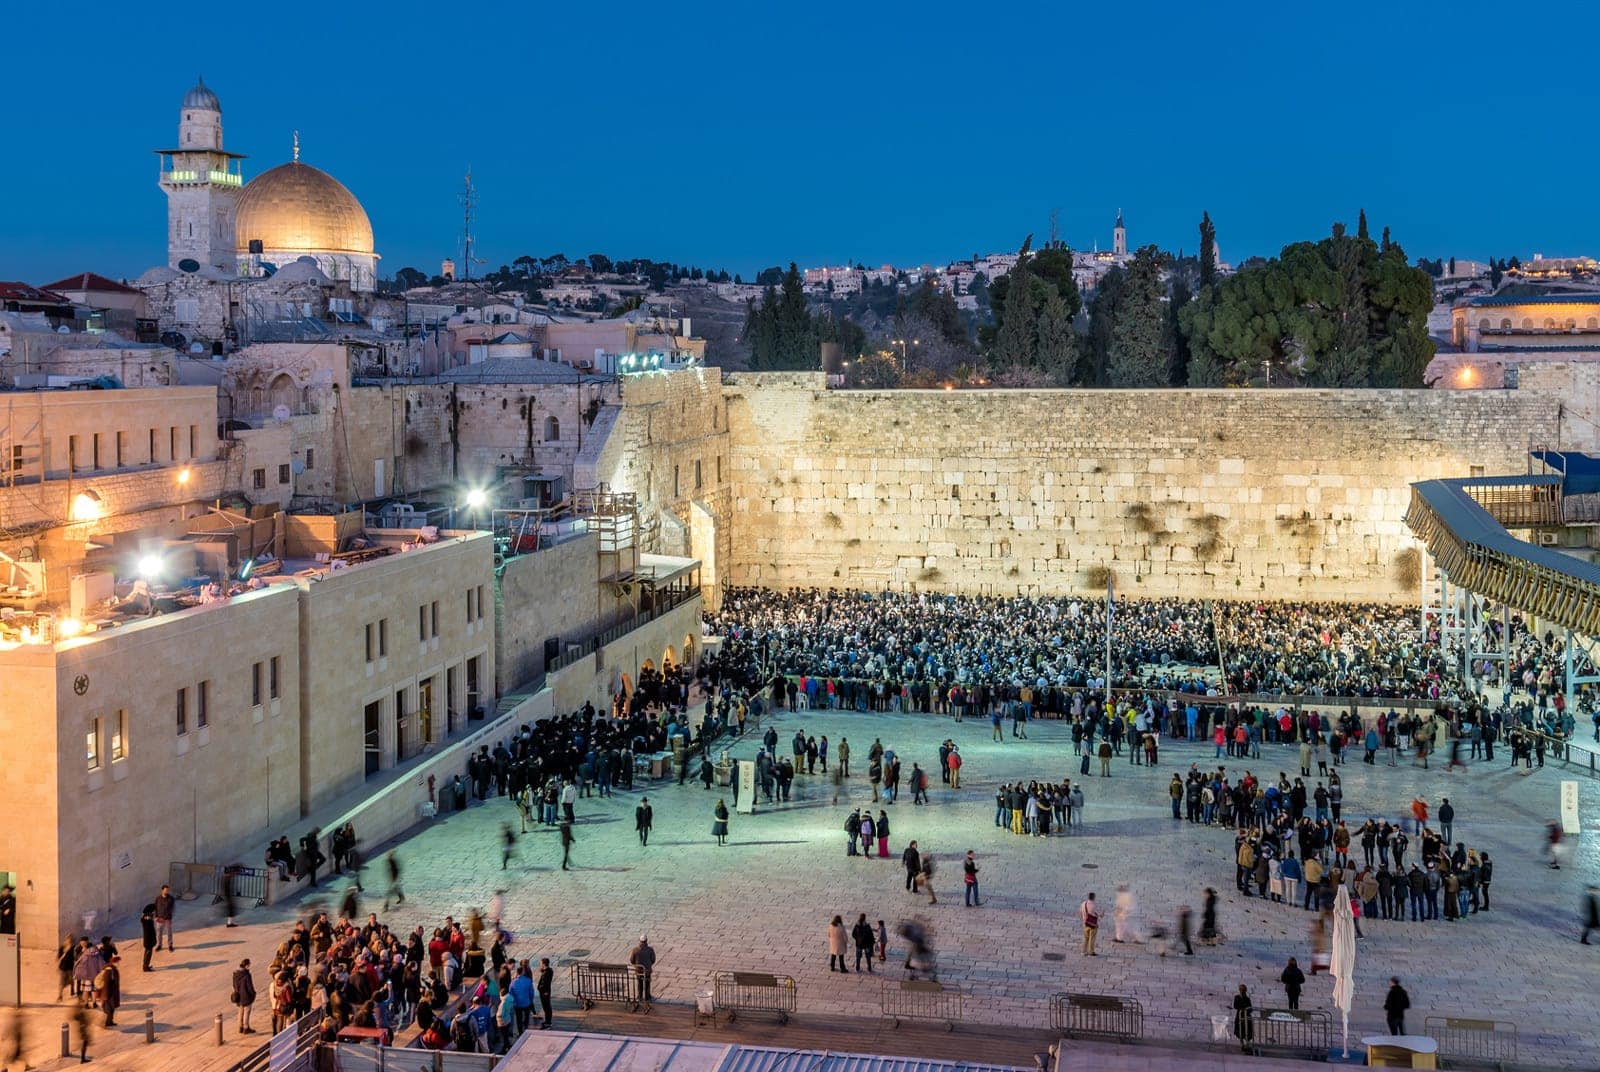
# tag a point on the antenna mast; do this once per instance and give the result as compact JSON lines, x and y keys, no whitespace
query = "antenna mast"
{"x":469,"y":201}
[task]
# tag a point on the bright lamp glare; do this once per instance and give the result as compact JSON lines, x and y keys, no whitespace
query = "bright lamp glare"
{"x":477,"y":497}
{"x":86,"y":506}
{"x":150,"y":567}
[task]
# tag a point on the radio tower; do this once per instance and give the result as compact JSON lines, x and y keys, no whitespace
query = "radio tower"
{"x":469,"y":201}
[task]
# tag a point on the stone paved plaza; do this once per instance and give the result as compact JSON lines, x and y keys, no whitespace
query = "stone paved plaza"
{"x":763,"y":901}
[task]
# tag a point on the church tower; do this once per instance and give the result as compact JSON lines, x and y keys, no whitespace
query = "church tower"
{"x":1119,"y":237}
{"x":202,"y":182}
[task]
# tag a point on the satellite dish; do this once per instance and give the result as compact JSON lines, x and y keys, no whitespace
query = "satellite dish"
{"x":280,"y":412}
{"x":189,"y":264}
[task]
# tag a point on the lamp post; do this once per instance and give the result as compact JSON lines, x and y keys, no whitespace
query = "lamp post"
{"x":902,"y":344}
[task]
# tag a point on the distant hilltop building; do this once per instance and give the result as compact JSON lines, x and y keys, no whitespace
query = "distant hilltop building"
{"x":291,"y":213}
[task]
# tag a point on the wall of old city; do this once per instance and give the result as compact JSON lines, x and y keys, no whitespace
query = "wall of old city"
{"x":668,"y":443}
{"x":1282,"y":494}
{"x":553,"y":592}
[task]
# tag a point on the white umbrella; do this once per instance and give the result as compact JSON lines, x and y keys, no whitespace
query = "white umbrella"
{"x":1343,"y":964}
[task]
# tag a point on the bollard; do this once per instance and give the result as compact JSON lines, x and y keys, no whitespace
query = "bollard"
{"x":66,"y":1040}
{"x":219,"y":1029}
{"x":149,"y":1026}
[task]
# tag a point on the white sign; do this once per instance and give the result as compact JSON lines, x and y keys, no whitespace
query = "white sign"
{"x":747,"y":787}
{"x":10,"y":971}
{"x":1569,"y":807}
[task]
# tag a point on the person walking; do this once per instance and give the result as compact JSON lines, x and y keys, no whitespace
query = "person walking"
{"x":1447,"y":818}
{"x":1123,"y":916}
{"x":865,"y":939}
{"x":566,"y":845}
{"x":80,"y":1018}
{"x":244,"y":995}
{"x":719,"y":823}
{"x":1185,"y":927}
{"x":509,"y":847}
{"x":883,"y":834}
{"x":838,"y":942}
{"x":147,"y":924}
{"x":394,"y":892}
{"x":643,"y":820}
{"x":1105,"y":758}
{"x":165,"y":904}
{"x":1293,"y":979}
{"x":912,"y":860}
{"x":547,"y":977}
{"x":1089,"y":914}
{"x":955,"y":768}
{"x":108,"y":990}
{"x":1395,"y":1004}
{"x":969,"y":868}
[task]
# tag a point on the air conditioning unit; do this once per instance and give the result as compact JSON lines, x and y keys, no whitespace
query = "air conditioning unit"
{"x":1549,"y":539}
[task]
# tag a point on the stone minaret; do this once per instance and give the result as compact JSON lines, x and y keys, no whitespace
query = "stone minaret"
{"x":202,"y":183}
{"x":1119,"y":237}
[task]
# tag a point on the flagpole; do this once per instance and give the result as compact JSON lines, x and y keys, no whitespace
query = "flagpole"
{"x":1109,"y":600}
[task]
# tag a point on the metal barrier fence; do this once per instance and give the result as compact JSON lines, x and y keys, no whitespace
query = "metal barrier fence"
{"x":246,"y":882}
{"x":295,"y":1046}
{"x":1473,"y":1041}
{"x":581,"y":649}
{"x":191,"y":880}
{"x":921,"y":999}
{"x":1292,"y":1032}
{"x":738,"y":992}
{"x":354,"y":1057}
{"x":1097,"y":1016}
{"x":621,"y":983}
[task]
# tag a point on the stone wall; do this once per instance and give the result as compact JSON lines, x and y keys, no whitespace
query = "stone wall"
{"x":1281,"y":494}
{"x":554,"y":592}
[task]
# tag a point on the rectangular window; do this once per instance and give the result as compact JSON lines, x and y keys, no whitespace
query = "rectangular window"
{"x":194,"y":440}
{"x":95,"y":457}
{"x":433,"y":619}
{"x":283,"y":474}
{"x":153,"y":458}
{"x":272,"y":677}
{"x":675,"y":491}
{"x":255,"y":684}
{"x":258,"y":479}
{"x":72,"y":453}
{"x":311,"y":457}
{"x":698,"y":483}
{"x":183,"y":712}
{"x":719,"y":469}
{"x":472,"y":605}
{"x":122,"y":449}
{"x":16,"y":458}
{"x":383,"y":638}
{"x":370,"y":631}
{"x":482,"y":593}
{"x":91,"y":745}
{"x":119,"y":736}
{"x":172,"y":442}
{"x":202,"y":704}
{"x":422,"y":623}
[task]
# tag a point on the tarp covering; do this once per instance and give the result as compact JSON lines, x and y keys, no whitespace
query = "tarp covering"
{"x":1580,"y":472}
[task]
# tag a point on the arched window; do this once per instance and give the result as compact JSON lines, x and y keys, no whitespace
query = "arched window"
{"x":1549,"y":323}
{"x":285,"y":393}
{"x":1592,"y":324}
{"x":552,"y":429}
{"x":1505,"y":323}
{"x":1527,"y":323}
{"x":1483,"y":325}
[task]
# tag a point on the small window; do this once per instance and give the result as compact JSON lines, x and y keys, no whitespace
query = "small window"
{"x":1475,"y":470}
{"x":183,"y":712}
{"x":472,"y":605}
{"x":552,"y":429}
{"x":258,"y":479}
{"x":433,"y":618}
{"x":202,"y":704}
{"x":422,"y":623}
{"x":675,"y":491}
{"x":255,"y":684}
{"x":172,"y":442}
{"x":719,"y":469}
{"x":371,"y":630}
{"x":91,"y":745}
{"x":119,"y":736}
{"x":482,"y":594}
{"x":698,"y":483}
{"x":153,"y":458}
{"x":311,"y":458}
{"x":194,"y":440}
{"x":283,"y":473}
{"x":383,"y":638}
{"x":273,"y":666}
{"x":72,"y":453}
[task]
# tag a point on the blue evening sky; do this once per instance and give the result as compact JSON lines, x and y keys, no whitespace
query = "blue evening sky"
{"x":745,"y":134}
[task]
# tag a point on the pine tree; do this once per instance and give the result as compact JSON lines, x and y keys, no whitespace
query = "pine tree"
{"x":1208,"y":250}
{"x":1361,"y":226}
{"x":1138,"y":354}
{"x":1057,"y":340}
{"x":1178,"y":366}
{"x":1016,"y":343}
{"x":796,"y":336}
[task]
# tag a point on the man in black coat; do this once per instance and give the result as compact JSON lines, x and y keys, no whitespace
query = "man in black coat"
{"x":1395,"y":1004}
{"x":913,"y":863}
{"x":643,"y":819}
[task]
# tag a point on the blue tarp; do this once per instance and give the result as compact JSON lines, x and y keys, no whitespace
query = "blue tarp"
{"x":1580,"y":472}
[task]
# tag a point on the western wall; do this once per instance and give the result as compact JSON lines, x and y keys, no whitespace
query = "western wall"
{"x":1208,"y":493}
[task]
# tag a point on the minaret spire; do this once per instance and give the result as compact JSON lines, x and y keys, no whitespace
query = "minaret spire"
{"x":297,"y":147}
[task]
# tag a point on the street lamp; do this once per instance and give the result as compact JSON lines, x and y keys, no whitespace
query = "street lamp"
{"x":902,"y":344}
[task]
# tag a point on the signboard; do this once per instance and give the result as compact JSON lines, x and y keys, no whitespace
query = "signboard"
{"x":1569,"y":807}
{"x":10,"y":971}
{"x":747,"y":787}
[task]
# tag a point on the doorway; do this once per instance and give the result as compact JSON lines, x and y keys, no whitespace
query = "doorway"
{"x":425,"y":711}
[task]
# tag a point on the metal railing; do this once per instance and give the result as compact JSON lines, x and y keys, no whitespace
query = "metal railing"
{"x":738,"y":992}
{"x":1473,"y":1041}
{"x":1097,"y":1016}
{"x":921,"y":999}
{"x":621,"y":983}
{"x":1295,"y":1032}
{"x":665,"y":601}
{"x":296,"y":1052}
{"x":355,"y":1057}
{"x":247,"y":883}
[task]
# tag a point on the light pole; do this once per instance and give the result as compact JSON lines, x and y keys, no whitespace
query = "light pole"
{"x":902,"y":344}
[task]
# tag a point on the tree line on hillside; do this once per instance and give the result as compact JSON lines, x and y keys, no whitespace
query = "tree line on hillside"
{"x":530,"y":275}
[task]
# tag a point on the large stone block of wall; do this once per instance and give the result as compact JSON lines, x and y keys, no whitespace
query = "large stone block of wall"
{"x":1219,"y":493}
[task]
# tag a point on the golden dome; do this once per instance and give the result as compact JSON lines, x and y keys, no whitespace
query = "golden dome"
{"x":296,"y":208}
